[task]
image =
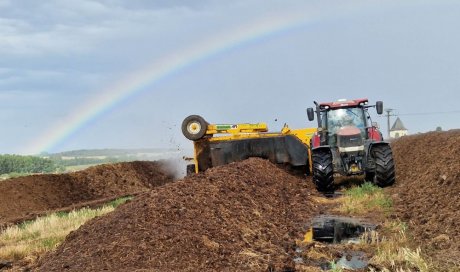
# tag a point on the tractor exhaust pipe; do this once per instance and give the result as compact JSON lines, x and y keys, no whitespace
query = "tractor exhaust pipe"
{"x":318,"y":113}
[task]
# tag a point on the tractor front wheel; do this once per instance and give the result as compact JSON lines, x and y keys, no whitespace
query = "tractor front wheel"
{"x":323,"y":170}
{"x":384,"y":165}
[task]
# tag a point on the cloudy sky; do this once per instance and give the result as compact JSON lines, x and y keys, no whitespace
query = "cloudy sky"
{"x":78,"y":74}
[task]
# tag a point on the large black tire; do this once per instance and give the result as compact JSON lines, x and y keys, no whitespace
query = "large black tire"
{"x":384,"y":165}
{"x":323,"y":170}
{"x":190,"y":169}
{"x":194,"y":127}
{"x":369,"y":176}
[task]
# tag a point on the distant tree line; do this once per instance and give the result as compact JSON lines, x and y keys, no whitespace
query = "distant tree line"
{"x":17,"y":165}
{"x":26,"y":164}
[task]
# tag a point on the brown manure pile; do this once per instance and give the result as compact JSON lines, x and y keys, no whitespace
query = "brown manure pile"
{"x":243,"y":216}
{"x":427,"y":192}
{"x":26,"y":197}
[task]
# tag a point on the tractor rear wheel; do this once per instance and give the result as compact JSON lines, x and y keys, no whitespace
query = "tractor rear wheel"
{"x":323,"y":170}
{"x":384,"y":165}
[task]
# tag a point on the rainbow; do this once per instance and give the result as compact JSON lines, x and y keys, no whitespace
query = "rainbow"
{"x":136,"y":82}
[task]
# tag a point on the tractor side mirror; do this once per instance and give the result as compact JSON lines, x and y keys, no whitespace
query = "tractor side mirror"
{"x":379,"y":107}
{"x":311,"y":114}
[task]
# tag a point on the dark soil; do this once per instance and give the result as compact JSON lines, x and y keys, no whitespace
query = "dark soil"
{"x":247,"y":216}
{"x":244,"y":216}
{"x":26,"y":197}
{"x":427,"y":192}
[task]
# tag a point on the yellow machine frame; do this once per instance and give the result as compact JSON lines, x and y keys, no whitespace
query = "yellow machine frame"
{"x":242,"y":131}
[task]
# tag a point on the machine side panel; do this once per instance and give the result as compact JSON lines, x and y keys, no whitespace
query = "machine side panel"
{"x":286,"y":149}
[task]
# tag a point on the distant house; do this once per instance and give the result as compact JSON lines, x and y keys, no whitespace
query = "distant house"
{"x":398,"y":129}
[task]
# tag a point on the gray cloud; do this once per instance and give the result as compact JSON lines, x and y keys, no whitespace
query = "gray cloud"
{"x":55,"y":55}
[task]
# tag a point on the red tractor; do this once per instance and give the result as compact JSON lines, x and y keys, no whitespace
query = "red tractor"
{"x":347,"y":143}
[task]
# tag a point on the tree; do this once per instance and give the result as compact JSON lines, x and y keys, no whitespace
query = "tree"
{"x":25,"y":164}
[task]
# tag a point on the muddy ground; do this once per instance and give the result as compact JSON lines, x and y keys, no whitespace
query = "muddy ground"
{"x":26,"y":197}
{"x":427,"y":192}
{"x":248,"y":216}
{"x":244,"y":216}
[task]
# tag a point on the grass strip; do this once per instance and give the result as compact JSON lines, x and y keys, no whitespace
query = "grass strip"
{"x":30,"y":239}
{"x":365,"y":198}
{"x":391,"y":247}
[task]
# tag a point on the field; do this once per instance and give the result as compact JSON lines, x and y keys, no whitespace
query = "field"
{"x":245,"y":216}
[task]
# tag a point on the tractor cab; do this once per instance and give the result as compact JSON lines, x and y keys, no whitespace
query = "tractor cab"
{"x":345,"y":127}
{"x":344,"y":123}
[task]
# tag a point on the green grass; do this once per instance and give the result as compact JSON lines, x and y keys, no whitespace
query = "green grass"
{"x":30,"y":239}
{"x":365,"y":198}
{"x":366,"y":188}
{"x":335,"y":267}
{"x":117,"y":202}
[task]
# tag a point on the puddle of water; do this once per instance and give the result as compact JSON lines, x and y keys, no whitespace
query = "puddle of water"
{"x":298,"y":260}
{"x":337,"y":229}
{"x":333,"y":194}
{"x":325,"y":266}
{"x":5,"y":264}
{"x":353,"y":260}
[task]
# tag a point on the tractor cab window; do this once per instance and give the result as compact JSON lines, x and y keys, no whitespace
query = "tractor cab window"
{"x":339,"y":118}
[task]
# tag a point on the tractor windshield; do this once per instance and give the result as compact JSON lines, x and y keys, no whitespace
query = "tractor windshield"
{"x":339,"y":118}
